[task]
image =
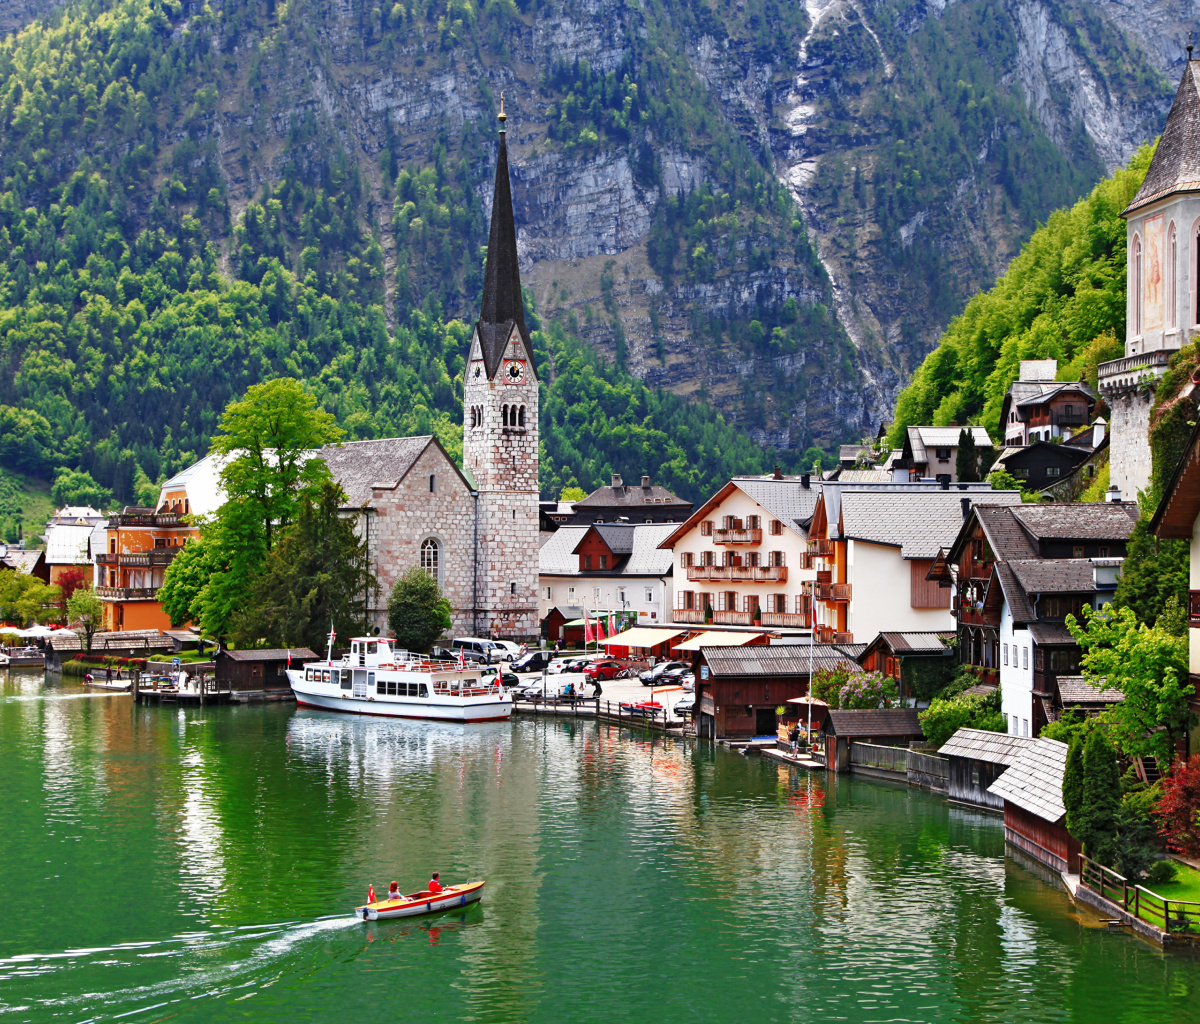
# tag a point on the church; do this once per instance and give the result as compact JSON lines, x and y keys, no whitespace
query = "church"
{"x":474,"y":529}
{"x":1162,"y":225}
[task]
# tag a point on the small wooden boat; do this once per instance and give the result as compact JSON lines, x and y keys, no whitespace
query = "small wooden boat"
{"x":119,"y":685}
{"x":421,"y":902}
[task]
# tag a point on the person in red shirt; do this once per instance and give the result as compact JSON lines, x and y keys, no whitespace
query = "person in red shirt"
{"x":434,"y":884}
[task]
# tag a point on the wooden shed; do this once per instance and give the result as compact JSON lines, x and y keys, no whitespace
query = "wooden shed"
{"x":1034,"y":815}
{"x":262,"y":672}
{"x":977,"y":759}
{"x":891,"y":727}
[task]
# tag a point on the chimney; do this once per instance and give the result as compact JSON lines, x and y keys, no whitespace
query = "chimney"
{"x":778,"y":472}
{"x":804,"y":480}
{"x":944,"y":482}
{"x":1113,"y":495}
{"x":1099,"y":428}
{"x":616,"y":480}
{"x":966,"y":506}
{"x":645,"y":481}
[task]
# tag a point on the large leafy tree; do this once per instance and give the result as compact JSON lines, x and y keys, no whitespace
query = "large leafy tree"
{"x":1095,"y":816}
{"x":85,"y":613}
{"x":1146,"y":663}
{"x":184,"y":581}
{"x":25,"y":598}
{"x":316,"y":575}
{"x":417,"y":612}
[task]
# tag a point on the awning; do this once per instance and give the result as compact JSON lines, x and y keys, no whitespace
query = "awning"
{"x":642,"y":636}
{"x":806,"y":699}
{"x":718,"y":638}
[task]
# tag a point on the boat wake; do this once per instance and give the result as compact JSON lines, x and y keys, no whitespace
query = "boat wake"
{"x":185,"y":969}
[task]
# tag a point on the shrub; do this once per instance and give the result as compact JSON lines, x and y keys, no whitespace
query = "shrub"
{"x":1162,"y":872}
{"x":945,"y":716}
{"x":1178,"y":806}
{"x":1095,"y":820}
{"x":869,"y":690}
{"x":1135,"y":844}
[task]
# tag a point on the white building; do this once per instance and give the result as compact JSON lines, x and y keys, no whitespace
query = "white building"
{"x":67,"y":535}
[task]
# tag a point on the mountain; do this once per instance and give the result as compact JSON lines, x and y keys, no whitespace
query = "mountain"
{"x":768,"y":210}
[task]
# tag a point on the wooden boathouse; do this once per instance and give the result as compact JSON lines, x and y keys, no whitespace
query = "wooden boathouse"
{"x":259,"y":675}
{"x":1034,"y":815}
{"x":977,"y":759}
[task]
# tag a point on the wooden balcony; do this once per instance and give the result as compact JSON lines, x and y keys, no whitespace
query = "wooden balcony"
{"x":734,"y":618}
{"x":823,"y":634}
{"x":784,"y":619}
{"x":139,"y":559}
{"x":820,"y":547}
{"x":152,"y":519}
{"x":843,"y":638}
{"x":748,"y":573}
{"x":737,"y":536}
{"x":127,"y":593}
{"x":688,"y":615}
{"x":834,"y":593}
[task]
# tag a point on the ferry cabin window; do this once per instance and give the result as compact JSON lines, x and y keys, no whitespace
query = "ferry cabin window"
{"x":325,"y":676}
{"x":371,"y":679}
{"x":345,"y":679}
{"x":371,"y":646}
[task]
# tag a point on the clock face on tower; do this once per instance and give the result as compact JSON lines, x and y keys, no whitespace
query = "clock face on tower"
{"x":514,"y":371}
{"x":477,"y":371}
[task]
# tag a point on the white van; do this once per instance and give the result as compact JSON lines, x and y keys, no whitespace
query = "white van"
{"x":483,"y":648}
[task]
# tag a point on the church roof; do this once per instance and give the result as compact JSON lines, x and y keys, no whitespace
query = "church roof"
{"x":502,"y":307}
{"x":1176,"y":163}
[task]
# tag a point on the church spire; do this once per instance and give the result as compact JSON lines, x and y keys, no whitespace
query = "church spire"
{"x":502,"y":305}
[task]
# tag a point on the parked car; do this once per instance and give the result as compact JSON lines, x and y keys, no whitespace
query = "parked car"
{"x":531,"y":688}
{"x":651,"y":675}
{"x":559,"y":665}
{"x":506,"y":678}
{"x":534,"y":661}
{"x":676,"y":676}
{"x":606,"y":670}
{"x":486,"y":649}
{"x":448,"y":654}
{"x":685,"y":706}
{"x":508,"y":650}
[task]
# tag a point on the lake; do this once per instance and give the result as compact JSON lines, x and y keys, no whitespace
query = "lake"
{"x":200,"y":865}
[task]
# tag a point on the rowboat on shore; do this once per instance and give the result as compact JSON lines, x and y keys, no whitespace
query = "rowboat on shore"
{"x":425,"y":902}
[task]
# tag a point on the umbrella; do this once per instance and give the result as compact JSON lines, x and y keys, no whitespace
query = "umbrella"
{"x":806,"y":699}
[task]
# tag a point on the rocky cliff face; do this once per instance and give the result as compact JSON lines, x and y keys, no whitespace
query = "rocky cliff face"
{"x":919,"y":141}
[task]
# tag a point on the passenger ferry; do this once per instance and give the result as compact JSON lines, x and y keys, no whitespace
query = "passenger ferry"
{"x":377,"y":678}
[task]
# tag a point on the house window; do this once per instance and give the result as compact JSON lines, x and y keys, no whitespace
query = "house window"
{"x":1103,"y":552}
{"x":521,"y":417}
{"x":604,"y":561}
{"x":685,"y":560}
{"x":1077,"y":551}
{"x":776,"y":559}
{"x":621,"y":594}
{"x":753,"y":523}
{"x":649,"y":595}
{"x":430,"y":556}
{"x":570,"y":594}
{"x":587,"y":561}
{"x":776,"y":528}
{"x":548,"y":594}
{"x":752,"y":558}
{"x":1053,"y":471}
{"x":943,"y":454}
{"x":709,"y":558}
{"x":512,"y":589}
{"x":1024,"y":726}
{"x":751,"y":603}
{"x":595,"y":593}
{"x":688,"y":599}
{"x":706,"y":528}
{"x":1024,"y":657}
{"x":1006,"y":654}
{"x":433,"y":483}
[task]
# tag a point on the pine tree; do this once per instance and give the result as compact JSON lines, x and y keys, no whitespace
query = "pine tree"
{"x":1100,"y":799}
{"x":1072,"y":787}
{"x":966,"y":466}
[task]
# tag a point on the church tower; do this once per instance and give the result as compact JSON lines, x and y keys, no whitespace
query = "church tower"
{"x":1162,"y":226}
{"x":500,"y":434}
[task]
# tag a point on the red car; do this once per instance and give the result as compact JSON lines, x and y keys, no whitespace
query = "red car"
{"x":606,"y":670}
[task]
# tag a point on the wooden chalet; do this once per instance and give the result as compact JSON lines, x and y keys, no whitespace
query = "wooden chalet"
{"x":32,"y":563}
{"x":1034,"y":815}
{"x":890,"y":727}
{"x":254,"y":672}
{"x":740,"y":689}
{"x":977,"y":759}
{"x":1043,"y":463}
{"x":900,"y":656}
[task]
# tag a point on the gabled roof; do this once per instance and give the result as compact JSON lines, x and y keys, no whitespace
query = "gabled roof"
{"x":557,"y":556}
{"x":920,"y":439}
{"x":920,"y":523}
{"x":883,"y":722}
{"x":1054,"y":575}
{"x":1065,"y":455}
{"x":1034,"y":780}
{"x":1176,"y":163}
{"x":927,"y":643}
{"x":638,"y":551}
{"x":22,"y":560}
{"x":66,"y":543}
{"x":1078,"y":520}
{"x":631,"y":496}
{"x":617,"y":537}
{"x":503,"y":307}
{"x":359,"y":466}
{"x":788,"y":500}
{"x":1048,"y":633}
{"x":1051,"y":391}
{"x":1018,"y":601}
{"x":1077,"y":690}
{"x":980,"y":745}
{"x":775,"y":660}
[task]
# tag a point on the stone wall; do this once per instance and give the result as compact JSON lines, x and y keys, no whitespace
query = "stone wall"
{"x":1129,"y":440}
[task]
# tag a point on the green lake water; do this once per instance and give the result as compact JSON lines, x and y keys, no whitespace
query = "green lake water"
{"x":200,"y":865}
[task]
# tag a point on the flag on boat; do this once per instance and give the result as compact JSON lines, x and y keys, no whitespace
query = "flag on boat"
{"x":289,"y":660}
{"x":462,"y":658}
{"x":370,"y":894}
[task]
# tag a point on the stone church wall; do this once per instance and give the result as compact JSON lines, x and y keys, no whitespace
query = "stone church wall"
{"x":1129,"y":441}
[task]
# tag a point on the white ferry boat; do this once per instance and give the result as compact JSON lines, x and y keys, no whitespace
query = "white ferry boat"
{"x":376,"y":678}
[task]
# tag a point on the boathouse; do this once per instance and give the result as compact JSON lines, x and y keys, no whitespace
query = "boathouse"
{"x":977,"y":759}
{"x":250,"y":673}
{"x":889,"y":727}
{"x":739,"y":690}
{"x":1034,"y":815}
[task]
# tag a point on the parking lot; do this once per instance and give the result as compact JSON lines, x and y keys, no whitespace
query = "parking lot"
{"x":615,"y":690}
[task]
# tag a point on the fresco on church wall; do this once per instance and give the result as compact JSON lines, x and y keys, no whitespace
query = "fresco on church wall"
{"x":1152,"y":309}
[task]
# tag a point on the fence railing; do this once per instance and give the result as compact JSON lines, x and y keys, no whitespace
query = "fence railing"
{"x":873,"y":755}
{"x":1166,"y":915}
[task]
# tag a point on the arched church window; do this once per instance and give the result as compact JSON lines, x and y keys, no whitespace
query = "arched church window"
{"x":430,"y":556}
{"x":433,"y":483}
{"x":1172,"y":258}
{"x":1135,"y":286}
{"x":504,"y":415}
{"x":521,"y":417}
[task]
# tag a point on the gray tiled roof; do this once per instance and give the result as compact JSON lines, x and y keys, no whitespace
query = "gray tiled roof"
{"x":618,"y":536}
{"x":1014,"y":593}
{"x":645,"y":558}
{"x":277,"y":654}
{"x":901,"y":643}
{"x":775,"y":660}
{"x":1054,"y":389}
{"x":864,"y":476}
{"x":1050,"y":633}
{"x":787,"y":500}
{"x":631,"y":496}
{"x":1034,"y":780}
{"x":884,"y":722}
{"x":1176,"y":163}
{"x":358,"y":465}
{"x":979,"y":745}
{"x":1003,"y":533}
{"x":1078,"y":521}
{"x":923,"y":438}
{"x":147,"y":638}
{"x":919,"y":523}
{"x":557,"y":557}
{"x":638,"y":550}
{"x":1077,"y":690}
{"x":1054,"y":575}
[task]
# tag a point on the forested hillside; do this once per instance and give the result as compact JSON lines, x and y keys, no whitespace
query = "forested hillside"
{"x":136,"y":304}
{"x":1062,"y":297}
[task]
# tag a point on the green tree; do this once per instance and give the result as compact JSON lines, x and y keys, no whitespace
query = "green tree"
{"x":1146,"y":663}
{"x":26,"y":599}
{"x":1072,"y":785}
{"x":73,"y":487}
{"x":572,"y":494}
{"x":417,"y":612}
{"x":1135,"y":841}
{"x":946,"y":715}
{"x":317,"y":575}
{"x":1099,"y":799}
{"x":1154,"y":572}
{"x":85,"y":613}
{"x":966,"y":466}
{"x":184,"y":581}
